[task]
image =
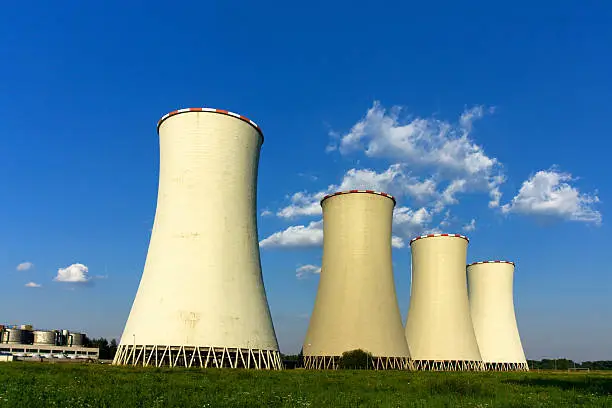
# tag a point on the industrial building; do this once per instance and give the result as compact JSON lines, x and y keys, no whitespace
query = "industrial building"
{"x":201,"y":299}
{"x":26,"y":342}
{"x":439,"y":328}
{"x":356,"y":305}
{"x":490,"y":286}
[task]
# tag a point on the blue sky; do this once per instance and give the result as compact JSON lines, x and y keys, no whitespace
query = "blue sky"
{"x":465,"y":111}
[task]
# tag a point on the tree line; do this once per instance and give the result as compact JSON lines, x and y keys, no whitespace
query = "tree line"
{"x":107,"y":350}
{"x":565,"y":364}
{"x":359,"y":359}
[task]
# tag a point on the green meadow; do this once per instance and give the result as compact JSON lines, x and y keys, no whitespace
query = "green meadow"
{"x":96,"y":385}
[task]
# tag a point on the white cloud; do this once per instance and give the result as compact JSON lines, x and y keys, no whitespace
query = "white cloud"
{"x":302,"y":203}
{"x":426,"y":154}
{"x":432,"y":163}
{"x":549,"y":193}
{"x":397,"y":242}
{"x":422,"y":141}
{"x":471,"y":226}
{"x":395,"y":181}
{"x":448,"y":196}
{"x":296,"y":236}
{"x":446,"y":221}
{"x":305,"y":271}
{"x":32,"y":285}
{"x":265,"y":213}
{"x":469,"y":116}
{"x":428,"y":144}
{"x":75,"y":273}
{"x":409,"y":223}
{"x":25,"y":266}
{"x":494,"y":191}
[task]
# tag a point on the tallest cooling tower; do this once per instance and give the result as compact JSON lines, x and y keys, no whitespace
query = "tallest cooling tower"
{"x":201,"y":299}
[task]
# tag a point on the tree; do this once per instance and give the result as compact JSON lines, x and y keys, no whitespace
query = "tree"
{"x":107,"y":351}
{"x":113,"y":348}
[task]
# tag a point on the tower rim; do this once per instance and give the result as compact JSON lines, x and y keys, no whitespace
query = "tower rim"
{"x":439,"y":235}
{"x":345,"y":192}
{"x":491,"y":262}
{"x":212,"y":110}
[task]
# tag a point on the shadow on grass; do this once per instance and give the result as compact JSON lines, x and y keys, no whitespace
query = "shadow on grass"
{"x":593,"y":385}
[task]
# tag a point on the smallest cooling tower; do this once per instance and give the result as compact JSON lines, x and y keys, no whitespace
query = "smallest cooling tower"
{"x":492,"y":308}
{"x":439,"y":329}
{"x":356,"y":306}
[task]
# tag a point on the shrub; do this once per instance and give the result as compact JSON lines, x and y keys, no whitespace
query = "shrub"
{"x":355,"y":360}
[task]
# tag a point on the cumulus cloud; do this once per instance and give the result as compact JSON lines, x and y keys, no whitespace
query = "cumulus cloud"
{"x":395,"y":181}
{"x":409,"y":223}
{"x":75,"y":273}
{"x":421,"y":141}
{"x":549,"y":193}
{"x":302,"y":203}
{"x":449,"y":195}
{"x":310,"y":235}
{"x":397,"y":242}
{"x":470,"y":226}
{"x":427,"y":143}
{"x":25,"y":266}
{"x":32,"y":285}
{"x":266,"y":213}
{"x":432,"y":161}
{"x":305,"y":271}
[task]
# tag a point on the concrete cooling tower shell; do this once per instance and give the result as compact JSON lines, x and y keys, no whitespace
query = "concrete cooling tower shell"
{"x":490,"y":286}
{"x":201,"y":299}
{"x":439,"y":329}
{"x":356,"y":305}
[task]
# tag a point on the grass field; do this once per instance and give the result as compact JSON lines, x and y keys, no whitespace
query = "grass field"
{"x":74,"y":385}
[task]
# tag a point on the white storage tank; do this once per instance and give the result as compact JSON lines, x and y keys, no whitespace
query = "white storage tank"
{"x":76,"y":339}
{"x":45,"y":337}
{"x":14,"y":336}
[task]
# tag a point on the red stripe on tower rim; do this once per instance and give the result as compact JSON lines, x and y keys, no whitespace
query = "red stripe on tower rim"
{"x":439,"y":235}
{"x":491,"y":262}
{"x":379,"y":193}
{"x":212,"y":110}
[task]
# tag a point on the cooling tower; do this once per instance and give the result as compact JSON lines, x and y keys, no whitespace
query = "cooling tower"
{"x":201,"y":299}
{"x":490,"y":290}
{"x":439,"y":328}
{"x":356,"y":306}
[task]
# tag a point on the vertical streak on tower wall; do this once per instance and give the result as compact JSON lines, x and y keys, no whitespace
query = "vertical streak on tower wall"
{"x":201,"y":299}
{"x":356,"y":305}
{"x":439,"y":328}
{"x":490,"y":286}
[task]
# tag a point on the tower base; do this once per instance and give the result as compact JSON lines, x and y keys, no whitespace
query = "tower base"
{"x":197,"y":356}
{"x":377,"y":363}
{"x":506,"y":366}
{"x":447,"y":365}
